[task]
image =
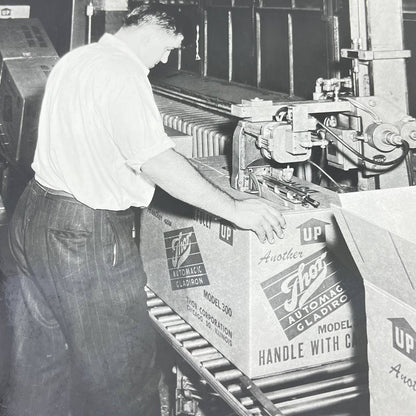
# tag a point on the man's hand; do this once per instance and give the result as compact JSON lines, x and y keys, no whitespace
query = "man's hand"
{"x":261,"y":217}
{"x":175,"y":175}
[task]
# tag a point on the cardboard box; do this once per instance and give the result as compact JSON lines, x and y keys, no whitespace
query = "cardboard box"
{"x":268,"y":308}
{"x":380,"y":231}
{"x":183,"y":142}
{"x":24,"y":38}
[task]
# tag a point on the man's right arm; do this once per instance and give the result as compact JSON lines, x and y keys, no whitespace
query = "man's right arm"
{"x":174,"y":174}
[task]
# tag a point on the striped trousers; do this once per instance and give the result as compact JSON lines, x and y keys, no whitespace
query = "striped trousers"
{"x":82,"y":343}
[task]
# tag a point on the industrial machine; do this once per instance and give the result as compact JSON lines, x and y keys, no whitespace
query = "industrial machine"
{"x":253,"y":316}
{"x":26,"y":58}
{"x":247,"y":318}
{"x":368,"y":135}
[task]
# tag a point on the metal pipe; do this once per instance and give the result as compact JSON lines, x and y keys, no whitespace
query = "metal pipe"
{"x":258,"y":50}
{"x":171,"y":323}
{"x":185,"y":336}
{"x":302,"y":376}
{"x":227,"y":375}
{"x":207,"y":357}
{"x":334,"y":42}
{"x":230,"y":46}
{"x":160,"y":310}
{"x":195,"y":343}
{"x":310,"y":9}
{"x":308,"y":389}
{"x":359,"y":40}
{"x":318,"y":402}
{"x":179,"y":59}
{"x":291,"y":58}
{"x":205,"y":66}
{"x":203,"y":351}
{"x":220,"y":107}
{"x":216,"y":363}
{"x":167,"y":318}
{"x":154,"y":302}
{"x":181,"y":327}
{"x":78,"y":24}
{"x":89,"y":13}
{"x":197,"y":57}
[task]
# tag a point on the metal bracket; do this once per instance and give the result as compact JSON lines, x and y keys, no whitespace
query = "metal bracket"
{"x":365,"y":55}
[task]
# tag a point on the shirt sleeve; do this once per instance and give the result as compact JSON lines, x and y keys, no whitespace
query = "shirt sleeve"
{"x":135,"y":123}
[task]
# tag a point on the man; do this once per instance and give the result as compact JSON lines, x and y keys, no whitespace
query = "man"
{"x":82,"y":340}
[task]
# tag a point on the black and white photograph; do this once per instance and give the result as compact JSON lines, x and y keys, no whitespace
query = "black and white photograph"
{"x":207,"y":207}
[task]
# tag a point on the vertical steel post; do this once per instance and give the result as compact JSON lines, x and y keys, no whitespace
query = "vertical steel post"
{"x":205,"y":24}
{"x":230,"y":46}
{"x":385,"y":32}
{"x":78,"y":24}
{"x":333,"y":43}
{"x":291,"y":58}
{"x":179,"y":59}
{"x":358,"y":29}
{"x":258,"y":49}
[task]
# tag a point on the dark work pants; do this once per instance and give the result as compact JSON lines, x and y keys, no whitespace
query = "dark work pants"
{"x":82,"y":342}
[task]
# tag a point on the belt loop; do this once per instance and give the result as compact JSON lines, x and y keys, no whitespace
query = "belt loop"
{"x":49,"y":191}
{"x":42,"y":188}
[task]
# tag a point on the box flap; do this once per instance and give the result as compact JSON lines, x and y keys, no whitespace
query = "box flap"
{"x":379,"y":228}
{"x":393,"y":209}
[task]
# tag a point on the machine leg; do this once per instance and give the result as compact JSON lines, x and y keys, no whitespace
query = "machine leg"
{"x":186,"y":397}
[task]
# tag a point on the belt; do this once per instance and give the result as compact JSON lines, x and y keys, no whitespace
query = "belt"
{"x":53,"y":191}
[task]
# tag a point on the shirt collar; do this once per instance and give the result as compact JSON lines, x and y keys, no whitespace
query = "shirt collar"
{"x":110,"y":40}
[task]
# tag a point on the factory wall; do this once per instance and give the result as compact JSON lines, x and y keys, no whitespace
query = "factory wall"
{"x":266,"y":64}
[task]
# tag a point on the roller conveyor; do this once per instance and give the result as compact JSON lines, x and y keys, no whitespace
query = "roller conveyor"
{"x":334,"y":389}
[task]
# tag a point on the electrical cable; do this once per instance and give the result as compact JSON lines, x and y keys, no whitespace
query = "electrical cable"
{"x":326,"y":174}
{"x":363,"y":107}
{"x":389,"y":163}
{"x":410,"y":170}
{"x":256,"y":182}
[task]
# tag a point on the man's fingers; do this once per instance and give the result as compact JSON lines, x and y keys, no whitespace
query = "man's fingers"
{"x":277,"y":216}
{"x":274,"y":220}
{"x":269,"y":231}
{"x":276,"y":224}
{"x":261,"y":217}
{"x":261,"y":234}
{"x":272,"y":224}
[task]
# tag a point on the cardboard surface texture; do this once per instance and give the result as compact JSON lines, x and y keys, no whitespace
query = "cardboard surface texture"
{"x":380,"y":231}
{"x":269,"y":308}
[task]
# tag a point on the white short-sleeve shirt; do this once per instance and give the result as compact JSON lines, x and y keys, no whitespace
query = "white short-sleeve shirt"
{"x":98,"y":124}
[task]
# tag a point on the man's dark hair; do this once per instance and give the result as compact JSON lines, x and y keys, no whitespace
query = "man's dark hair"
{"x":152,"y":13}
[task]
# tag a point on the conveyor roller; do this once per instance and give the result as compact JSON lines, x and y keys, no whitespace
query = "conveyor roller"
{"x":334,"y":389}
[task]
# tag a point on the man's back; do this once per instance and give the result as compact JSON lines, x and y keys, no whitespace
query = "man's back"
{"x":98,"y":123}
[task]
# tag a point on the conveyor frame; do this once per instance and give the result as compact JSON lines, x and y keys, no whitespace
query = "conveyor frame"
{"x":204,"y":359}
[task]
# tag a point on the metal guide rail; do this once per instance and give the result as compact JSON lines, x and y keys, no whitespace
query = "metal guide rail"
{"x":334,"y":389}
